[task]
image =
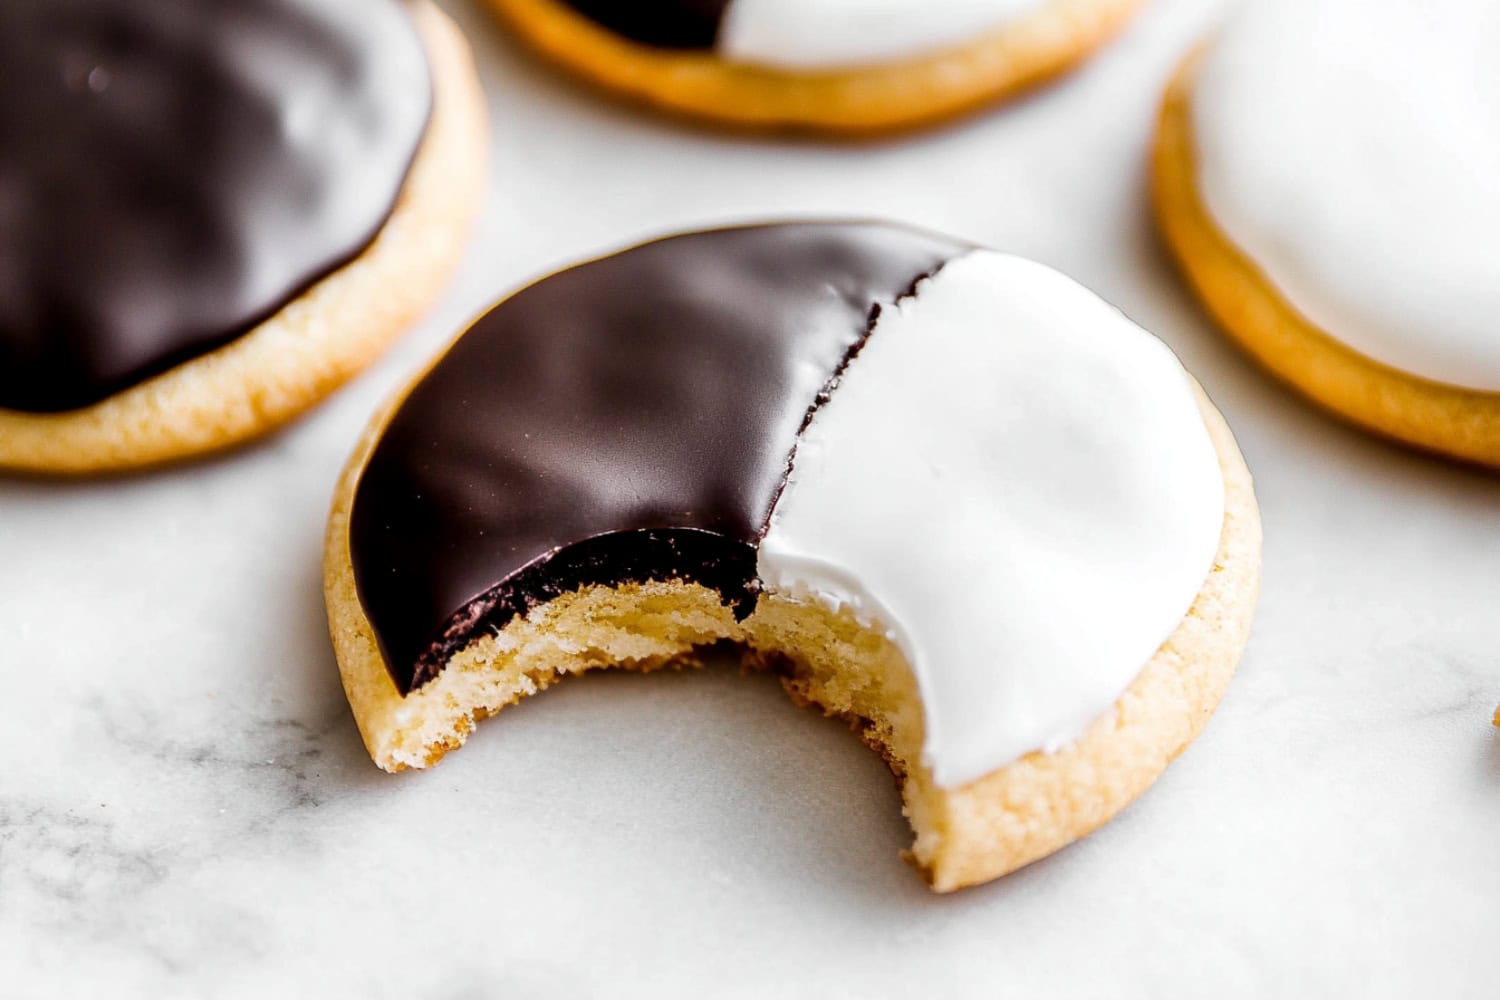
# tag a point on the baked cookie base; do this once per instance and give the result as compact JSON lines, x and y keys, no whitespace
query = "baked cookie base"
{"x":965,"y":835}
{"x":870,"y":100}
{"x":314,"y":344}
{"x":1459,"y":423}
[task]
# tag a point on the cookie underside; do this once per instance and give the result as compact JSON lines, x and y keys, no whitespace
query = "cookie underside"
{"x":964,"y":835}
{"x":316,"y":342}
{"x":883,"y":98}
{"x":1460,"y":423}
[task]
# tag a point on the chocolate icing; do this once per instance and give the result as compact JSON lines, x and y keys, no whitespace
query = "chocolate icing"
{"x":665,"y":24}
{"x":627,"y":419}
{"x":173,"y":172}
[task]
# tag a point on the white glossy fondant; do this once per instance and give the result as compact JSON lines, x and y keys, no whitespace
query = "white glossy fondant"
{"x":835,"y":34}
{"x":1015,"y":482}
{"x":1351,"y":150}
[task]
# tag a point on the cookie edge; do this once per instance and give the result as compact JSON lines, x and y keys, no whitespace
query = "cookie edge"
{"x":868,"y":101}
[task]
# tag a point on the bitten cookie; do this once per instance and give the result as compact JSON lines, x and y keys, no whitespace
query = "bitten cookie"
{"x":1335,"y":208}
{"x":944,"y":493}
{"x":216,"y":214}
{"x":818,"y":65}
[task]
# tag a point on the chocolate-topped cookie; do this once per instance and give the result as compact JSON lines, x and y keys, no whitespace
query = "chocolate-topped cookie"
{"x":194,"y":202}
{"x":943,"y":492}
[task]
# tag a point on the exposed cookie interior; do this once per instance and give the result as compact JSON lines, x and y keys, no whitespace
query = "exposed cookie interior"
{"x":824,"y":657}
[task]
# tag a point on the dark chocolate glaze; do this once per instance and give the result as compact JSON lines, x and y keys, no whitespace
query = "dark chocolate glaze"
{"x":628,"y":419}
{"x":664,"y":24}
{"x":172,"y":172}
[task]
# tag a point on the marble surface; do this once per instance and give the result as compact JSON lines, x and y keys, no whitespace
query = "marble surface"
{"x":187,"y":809}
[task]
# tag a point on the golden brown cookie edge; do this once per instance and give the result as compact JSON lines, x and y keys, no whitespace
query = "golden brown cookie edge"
{"x":869,"y":101}
{"x":1459,"y":423}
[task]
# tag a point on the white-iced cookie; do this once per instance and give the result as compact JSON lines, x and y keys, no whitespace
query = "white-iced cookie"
{"x":1324,"y":171}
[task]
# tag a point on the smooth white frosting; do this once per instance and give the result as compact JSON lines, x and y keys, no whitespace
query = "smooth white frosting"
{"x":1015,"y":482}
{"x":1351,"y":148}
{"x":835,"y":34}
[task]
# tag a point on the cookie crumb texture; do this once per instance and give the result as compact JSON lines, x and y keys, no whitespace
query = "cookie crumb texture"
{"x":315,"y":343}
{"x":889,"y":97}
{"x":963,"y":835}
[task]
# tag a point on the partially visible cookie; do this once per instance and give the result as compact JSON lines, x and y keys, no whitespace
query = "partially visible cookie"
{"x":1339,"y":218}
{"x":817,"y":65}
{"x":945,"y":493}
{"x":219,"y":214}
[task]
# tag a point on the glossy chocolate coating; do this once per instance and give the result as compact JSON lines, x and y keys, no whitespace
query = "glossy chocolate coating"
{"x":664,"y":24}
{"x":628,"y":419}
{"x":173,"y":172}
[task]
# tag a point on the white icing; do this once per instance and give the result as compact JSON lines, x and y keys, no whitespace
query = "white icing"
{"x":1351,"y":149}
{"x":1014,"y":481}
{"x":835,"y":34}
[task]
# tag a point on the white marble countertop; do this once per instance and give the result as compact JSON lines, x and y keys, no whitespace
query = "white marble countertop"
{"x":187,"y":809}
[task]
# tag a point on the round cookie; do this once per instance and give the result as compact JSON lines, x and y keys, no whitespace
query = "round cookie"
{"x":288,"y":185}
{"x":870,"y":67}
{"x":1336,"y":218}
{"x":895,"y":469}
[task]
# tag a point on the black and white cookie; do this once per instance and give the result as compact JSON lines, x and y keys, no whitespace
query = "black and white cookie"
{"x":945,"y":492}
